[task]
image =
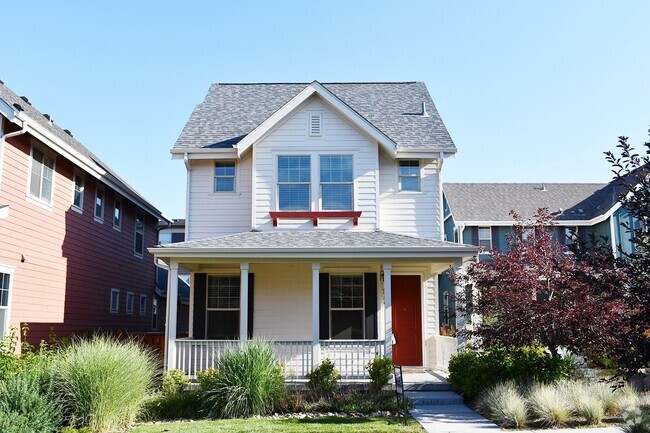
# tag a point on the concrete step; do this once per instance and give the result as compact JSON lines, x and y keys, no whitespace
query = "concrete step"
{"x":437,"y":398}
{"x":427,"y":386}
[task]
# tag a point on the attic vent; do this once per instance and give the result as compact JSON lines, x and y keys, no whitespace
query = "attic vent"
{"x":49,"y":118}
{"x":24,"y":98}
{"x":424,"y":110}
{"x":315,"y":123}
{"x":67,"y":131}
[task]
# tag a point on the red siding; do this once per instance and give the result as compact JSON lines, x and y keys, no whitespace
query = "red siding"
{"x":71,"y":261}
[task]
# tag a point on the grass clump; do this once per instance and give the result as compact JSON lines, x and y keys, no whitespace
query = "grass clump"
{"x":102,"y":382}
{"x":549,"y":404}
{"x":504,"y":404}
{"x":249,"y":381}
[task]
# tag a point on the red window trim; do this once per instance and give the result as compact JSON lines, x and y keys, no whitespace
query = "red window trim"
{"x":315,"y":215}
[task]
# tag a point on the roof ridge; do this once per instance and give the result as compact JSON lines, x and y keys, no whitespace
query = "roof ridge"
{"x":324,"y":82}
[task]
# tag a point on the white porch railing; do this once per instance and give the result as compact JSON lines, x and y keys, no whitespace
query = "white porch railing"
{"x":445,"y":347}
{"x":349,"y":356}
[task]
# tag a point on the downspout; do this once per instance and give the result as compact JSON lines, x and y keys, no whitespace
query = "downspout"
{"x":4,"y":210}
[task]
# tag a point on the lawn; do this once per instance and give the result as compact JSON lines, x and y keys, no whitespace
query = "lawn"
{"x":265,"y":425}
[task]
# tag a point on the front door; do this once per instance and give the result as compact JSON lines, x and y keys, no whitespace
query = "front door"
{"x":407,"y":320}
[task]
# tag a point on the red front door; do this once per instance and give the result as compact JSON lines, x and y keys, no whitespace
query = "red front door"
{"x":407,"y":320}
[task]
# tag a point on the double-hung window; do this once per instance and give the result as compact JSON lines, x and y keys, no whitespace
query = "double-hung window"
{"x":117,"y":212}
{"x":485,"y":238}
{"x":78,"y":193}
{"x":143,"y":305}
{"x":336,"y":182}
{"x":224,"y":176}
{"x":294,"y":183}
{"x":409,"y":175}
{"x":42,"y":176}
{"x":346,"y":307}
{"x":138,"y":247}
{"x":130,"y":296}
{"x":223,"y":303}
{"x":115,"y":300}
{"x":99,"y":203}
{"x":570,"y":235}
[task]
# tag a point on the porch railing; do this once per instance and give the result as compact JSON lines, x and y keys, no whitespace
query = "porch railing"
{"x":349,"y":356}
{"x":445,"y":347}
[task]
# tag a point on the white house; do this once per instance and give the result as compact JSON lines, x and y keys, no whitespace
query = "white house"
{"x":314,"y":219}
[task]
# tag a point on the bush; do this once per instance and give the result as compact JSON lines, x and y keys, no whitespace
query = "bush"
{"x":248,"y":382}
{"x":24,"y":406}
{"x":206,"y":378}
{"x":379,"y":370}
{"x":102,"y":382}
{"x":549,"y":404}
{"x":184,"y":405}
{"x":174,"y":382}
{"x":584,"y":399}
{"x":471,"y":371}
{"x":323,"y":379}
{"x":503,"y":404}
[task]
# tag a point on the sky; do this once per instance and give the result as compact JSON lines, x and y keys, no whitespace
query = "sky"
{"x":530,"y":91}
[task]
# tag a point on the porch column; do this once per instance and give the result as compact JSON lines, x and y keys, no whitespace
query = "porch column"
{"x":388,"y":312}
{"x":171,"y":314}
{"x":243,"y":303}
{"x":460,"y":317}
{"x":315,"y":308}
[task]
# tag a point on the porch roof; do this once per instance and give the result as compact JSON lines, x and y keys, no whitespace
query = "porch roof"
{"x":315,"y":243}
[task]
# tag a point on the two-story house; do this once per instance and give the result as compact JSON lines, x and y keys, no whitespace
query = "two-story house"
{"x":75,"y":236}
{"x":315,"y":219}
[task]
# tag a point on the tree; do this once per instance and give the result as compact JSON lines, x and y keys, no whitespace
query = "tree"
{"x":536,"y":292}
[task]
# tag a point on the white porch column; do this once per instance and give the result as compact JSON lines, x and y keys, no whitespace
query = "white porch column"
{"x":171,"y":314}
{"x":243,"y":303}
{"x":315,"y":309}
{"x":388,"y":312}
{"x":460,"y":317}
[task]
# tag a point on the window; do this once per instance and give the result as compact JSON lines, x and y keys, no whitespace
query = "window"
{"x":42,"y":176}
{"x":485,"y":238}
{"x":346,"y":307}
{"x":5,"y":287}
{"x":129,"y":302}
{"x":223,"y":307}
{"x":78,"y":193}
{"x":115,"y":300}
{"x":445,"y":311}
{"x":336,"y":182}
{"x":294,"y":177}
{"x":138,"y":248}
{"x":117,"y":212}
{"x":143,"y":305}
{"x":99,"y":203}
{"x":154,"y":314}
{"x":570,"y":235}
{"x":224,"y":176}
{"x":409,"y":175}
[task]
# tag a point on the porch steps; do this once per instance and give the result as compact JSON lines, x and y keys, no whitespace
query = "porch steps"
{"x":429,"y":388}
{"x":434,"y":398}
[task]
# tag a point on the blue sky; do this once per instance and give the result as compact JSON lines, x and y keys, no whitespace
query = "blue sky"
{"x":530,"y":91}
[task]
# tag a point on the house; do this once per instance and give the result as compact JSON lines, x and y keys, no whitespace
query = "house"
{"x":75,"y":236}
{"x":479,"y":214}
{"x":314,"y":218}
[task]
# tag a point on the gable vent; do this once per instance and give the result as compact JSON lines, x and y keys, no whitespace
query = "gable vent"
{"x":315,"y":125}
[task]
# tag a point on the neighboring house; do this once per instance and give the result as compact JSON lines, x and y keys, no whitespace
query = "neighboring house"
{"x":479,"y":214}
{"x":75,"y":236}
{"x":314,"y":218}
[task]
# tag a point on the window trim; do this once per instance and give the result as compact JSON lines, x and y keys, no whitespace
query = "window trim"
{"x":400,"y":176}
{"x":49,"y":205}
{"x":362,"y":309}
{"x":131,"y":295}
{"x":321,"y":183}
{"x":143,"y":297}
{"x":154,"y":314}
{"x":99,"y":187}
{"x":278,"y":183}
{"x":117,"y":199}
{"x":233,"y":177}
{"x":207,"y":297}
{"x":78,"y":173}
{"x":489,"y":229}
{"x":11,"y":271}
{"x":117,"y":306}
{"x":135,"y":233}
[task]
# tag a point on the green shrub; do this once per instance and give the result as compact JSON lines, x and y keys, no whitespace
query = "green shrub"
{"x":174,"y":382}
{"x":379,"y":370}
{"x":471,"y":371}
{"x":549,"y":404}
{"x":184,"y":405}
{"x":503,"y":404}
{"x":25,"y":407}
{"x":102,"y":382}
{"x":206,"y":378}
{"x":323,"y":379}
{"x":248,"y":382}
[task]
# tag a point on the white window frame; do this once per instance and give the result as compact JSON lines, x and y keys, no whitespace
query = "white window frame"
{"x":489,"y":238}
{"x":46,"y":204}
{"x":143,"y":305}
{"x":362,"y":309}
{"x":81,"y":175}
{"x":4,"y":327}
{"x":118,"y":199}
{"x":320,"y":183}
{"x":233,"y":177}
{"x":98,"y":188}
{"x":278,"y":183}
{"x":115,"y":308}
{"x":446,"y":313}
{"x":129,"y":305}
{"x":135,"y":233}
{"x":400,"y":176}
{"x":570,"y":235}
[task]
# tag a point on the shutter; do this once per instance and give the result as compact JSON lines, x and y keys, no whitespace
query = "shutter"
{"x":324,"y":306}
{"x":199,"y":307}
{"x":370,"y":307}
{"x":474,"y":235}
{"x":495,"y":238}
{"x":251,"y":303}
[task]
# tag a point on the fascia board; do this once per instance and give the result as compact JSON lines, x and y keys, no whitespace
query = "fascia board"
{"x":407,"y":153}
{"x":590,"y":222}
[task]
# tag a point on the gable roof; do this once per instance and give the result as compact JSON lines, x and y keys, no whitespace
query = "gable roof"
{"x":230,"y":112}
{"x":50,"y":133}
{"x":492,"y":202}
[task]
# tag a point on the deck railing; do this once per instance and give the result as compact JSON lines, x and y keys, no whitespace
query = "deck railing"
{"x":349,"y":356}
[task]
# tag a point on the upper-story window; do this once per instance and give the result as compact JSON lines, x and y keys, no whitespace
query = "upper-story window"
{"x":224,"y":176}
{"x":294,"y":183}
{"x":42,"y":176}
{"x":336,"y":182}
{"x":78,"y":193}
{"x":485,"y":238}
{"x":117,"y":212}
{"x":409,"y":175}
{"x":138,"y":247}
{"x":99,"y":203}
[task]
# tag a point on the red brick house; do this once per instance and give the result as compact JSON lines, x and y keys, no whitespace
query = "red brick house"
{"x":74,"y":234}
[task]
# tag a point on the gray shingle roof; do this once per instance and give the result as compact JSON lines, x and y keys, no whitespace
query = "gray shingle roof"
{"x":14,"y":100}
{"x":313,"y":239}
{"x":231,"y":111}
{"x":493,"y":201}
